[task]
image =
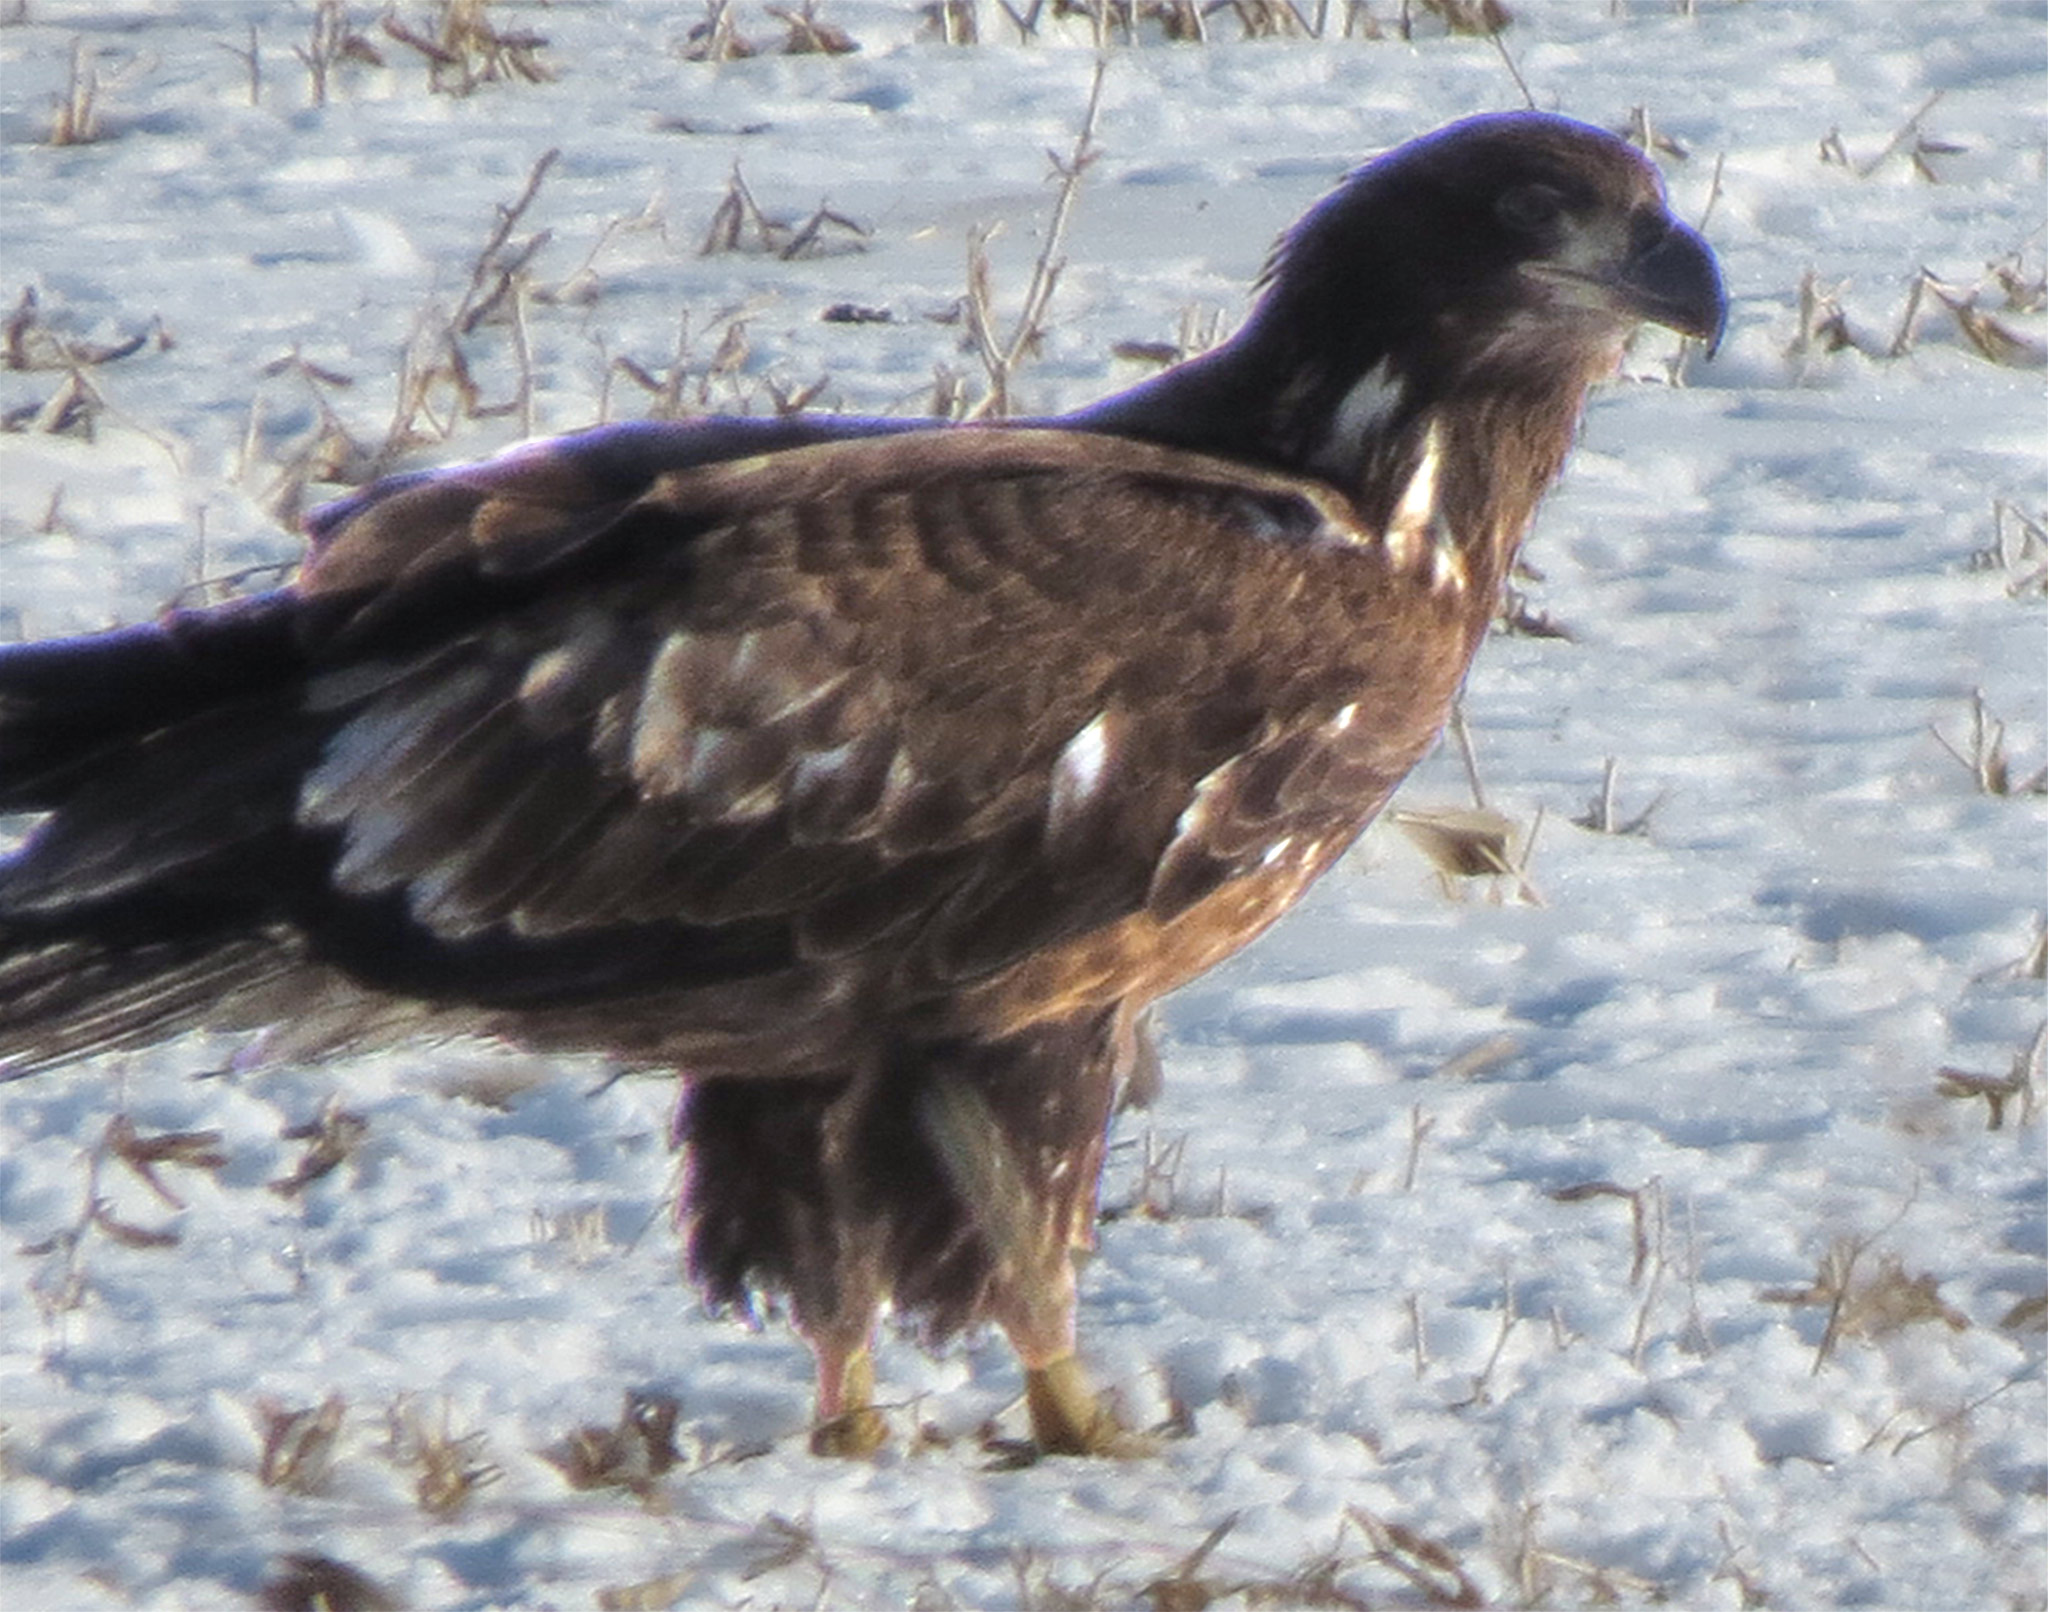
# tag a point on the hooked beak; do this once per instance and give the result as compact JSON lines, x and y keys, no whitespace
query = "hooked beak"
{"x":1676,"y":283}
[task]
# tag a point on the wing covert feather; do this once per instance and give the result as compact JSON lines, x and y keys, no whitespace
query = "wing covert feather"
{"x":968,"y":698}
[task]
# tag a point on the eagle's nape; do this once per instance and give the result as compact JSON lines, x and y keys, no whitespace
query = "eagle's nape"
{"x":877,"y":777}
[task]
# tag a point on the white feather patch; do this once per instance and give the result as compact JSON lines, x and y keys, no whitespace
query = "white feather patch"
{"x":1079,"y":773}
{"x":663,"y":726}
{"x":1408,"y":528}
{"x":1374,"y":399}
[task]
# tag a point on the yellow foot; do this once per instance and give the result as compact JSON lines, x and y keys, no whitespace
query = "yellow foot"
{"x":1068,"y":1418}
{"x":848,"y":1425}
{"x":852,"y":1435}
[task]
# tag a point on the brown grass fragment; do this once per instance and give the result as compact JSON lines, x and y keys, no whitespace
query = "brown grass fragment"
{"x":1863,"y":1304}
{"x":715,"y":39}
{"x":331,"y":39}
{"x":75,"y":119}
{"x":1907,"y":131}
{"x":1823,"y":324}
{"x":1429,"y":1567}
{"x":333,"y":1138}
{"x":1996,"y":1090}
{"x":629,"y":1455}
{"x":450,"y":1467}
{"x":954,"y":22}
{"x":126,"y":1233}
{"x":192,"y":1150}
{"x":1185,"y":1589}
{"x":298,"y":1443}
{"x":1991,"y":337}
{"x":2019,"y":548}
{"x":808,"y":36}
{"x":649,"y":1595}
{"x":780,"y":1542}
{"x":1645,"y":136}
{"x":1983,"y":755}
{"x":1639,"y":1201}
{"x":463,"y":49}
{"x":1601,"y":815}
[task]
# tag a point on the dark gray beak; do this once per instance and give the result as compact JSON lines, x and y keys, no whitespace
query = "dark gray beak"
{"x":1676,"y":283}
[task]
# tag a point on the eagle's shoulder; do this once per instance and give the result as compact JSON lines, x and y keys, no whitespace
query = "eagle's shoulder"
{"x":545,"y":503}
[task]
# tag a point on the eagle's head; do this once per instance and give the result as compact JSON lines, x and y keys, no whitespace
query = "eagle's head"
{"x":1446,"y":307}
{"x":1518,"y":238}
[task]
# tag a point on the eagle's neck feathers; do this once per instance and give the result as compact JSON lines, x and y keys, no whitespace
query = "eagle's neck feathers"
{"x":1445,"y":461}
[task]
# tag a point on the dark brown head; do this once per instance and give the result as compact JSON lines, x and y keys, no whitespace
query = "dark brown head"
{"x":1498,"y":237}
{"x":1498,"y":263}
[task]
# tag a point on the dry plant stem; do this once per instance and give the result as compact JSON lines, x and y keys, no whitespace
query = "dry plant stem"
{"x":1419,"y":1127}
{"x":1713,"y":191}
{"x":1843,"y":1257}
{"x":1462,"y":732}
{"x":1509,"y":1315}
{"x":434,"y":356}
{"x":1514,"y":72}
{"x":1640,"y":1341}
{"x":1000,"y":358}
{"x":1602,"y":815}
{"x":475,"y":305}
{"x":251,"y":59}
{"x":1427,"y":1565}
{"x":1958,"y":1415}
{"x":522,"y":346}
{"x":1906,"y":131}
{"x":76,"y":121}
{"x":1986,"y":759}
{"x":1184,"y":1586}
{"x":330,"y":40}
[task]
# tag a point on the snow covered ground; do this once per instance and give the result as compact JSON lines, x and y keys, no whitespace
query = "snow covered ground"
{"x":1626,"y":1247}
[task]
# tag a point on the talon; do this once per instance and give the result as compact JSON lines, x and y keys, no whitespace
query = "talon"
{"x":1069,"y":1418}
{"x":848,"y":1424}
{"x":853,"y":1435}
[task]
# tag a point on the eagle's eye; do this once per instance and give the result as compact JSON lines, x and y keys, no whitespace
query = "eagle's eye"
{"x":1529,"y":208}
{"x":1646,"y":227}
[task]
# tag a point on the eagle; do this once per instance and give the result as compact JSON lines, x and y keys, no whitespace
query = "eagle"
{"x":872,"y":777}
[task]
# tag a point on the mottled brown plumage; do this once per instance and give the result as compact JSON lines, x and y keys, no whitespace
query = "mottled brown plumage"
{"x":876,"y":779}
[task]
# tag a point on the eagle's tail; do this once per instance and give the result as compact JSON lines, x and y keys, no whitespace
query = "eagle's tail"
{"x":69,"y":705}
{"x":132,"y":747}
{"x":67,"y":996}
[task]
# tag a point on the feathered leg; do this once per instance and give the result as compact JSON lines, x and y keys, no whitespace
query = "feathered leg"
{"x":763,"y":1212}
{"x":817,"y":1189}
{"x":1020,"y":1134}
{"x":847,"y":1422}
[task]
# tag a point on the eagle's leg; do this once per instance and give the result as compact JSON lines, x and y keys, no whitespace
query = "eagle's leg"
{"x":765,"y":1210}
{"x":1019,"y":1128}
{"x":847,"y":1424}
{"x":1068,"y":1417}
{"x":1035,"y":1308}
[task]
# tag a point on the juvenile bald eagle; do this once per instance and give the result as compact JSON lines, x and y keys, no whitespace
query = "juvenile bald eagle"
{"x":874,"y":778}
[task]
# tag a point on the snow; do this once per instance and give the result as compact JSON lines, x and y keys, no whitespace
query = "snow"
{"x":1345,"y":1251}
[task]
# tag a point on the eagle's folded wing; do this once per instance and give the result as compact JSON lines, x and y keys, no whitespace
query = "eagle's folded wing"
{"x":965,"y":695}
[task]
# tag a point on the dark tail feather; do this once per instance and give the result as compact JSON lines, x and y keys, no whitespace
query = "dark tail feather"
{"x":66,"y":702}
{"x":159,"y":755}
{"x":67,"y":997}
